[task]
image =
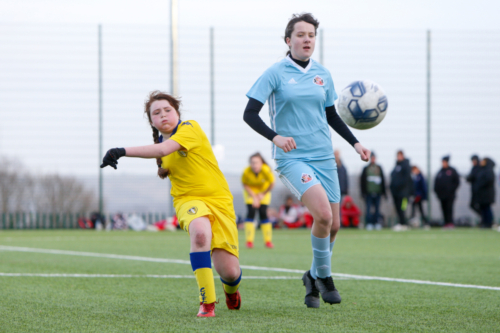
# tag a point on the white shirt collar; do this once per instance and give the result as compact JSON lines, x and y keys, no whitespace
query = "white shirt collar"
{"x":303,"y":70}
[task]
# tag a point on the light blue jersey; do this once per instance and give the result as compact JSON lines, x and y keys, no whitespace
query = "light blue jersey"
{"x":297,"y":99}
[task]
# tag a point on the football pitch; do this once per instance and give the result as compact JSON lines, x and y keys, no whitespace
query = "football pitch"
{"x":86,"y":281}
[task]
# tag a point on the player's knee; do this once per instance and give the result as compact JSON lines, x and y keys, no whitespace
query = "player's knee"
{"x":325,"y":217}
{"x":232,"y":274}
{"x":200,"y":240}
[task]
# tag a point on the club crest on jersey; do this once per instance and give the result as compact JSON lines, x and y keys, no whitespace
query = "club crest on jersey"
{"x":193,"y":210}
{"x":318,"y":80}
{"x":182,"y":153}
{"x":187,"y":123}
{"x":306,"y":178}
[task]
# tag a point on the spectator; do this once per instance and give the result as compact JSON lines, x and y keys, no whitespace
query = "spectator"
{"x":305,"y":216}
{"x":420,"y":195}
{"x":401,"y":189}
{"x":349,"y":213}
{"x":289,"y":214}
{"x":471,"y":178}
{"x":484,"y":186}
{"x":343,"y":177}
{"x":445,"y":186}
{"x":372,"y":188}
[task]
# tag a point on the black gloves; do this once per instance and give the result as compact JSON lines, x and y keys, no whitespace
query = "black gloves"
{"x":112,"y":156}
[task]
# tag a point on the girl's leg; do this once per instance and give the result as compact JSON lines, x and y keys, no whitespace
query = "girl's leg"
{"x":316,"y":201}
{"x":200,"y":234}
{"x":266,"y":226}
{"x":228,"y":267}
{"x":249,"y":226}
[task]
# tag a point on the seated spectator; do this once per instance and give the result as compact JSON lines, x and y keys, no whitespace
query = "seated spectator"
{"x":289,"y":214}
{"x":350,"y":213}
{"x":305,"y":216}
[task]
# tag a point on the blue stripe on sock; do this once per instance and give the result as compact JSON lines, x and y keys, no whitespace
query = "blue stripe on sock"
{"x":265,"y":221}
{"x":248,"y":220}
{"x":200,"y":260}
{"x":234,"y":283}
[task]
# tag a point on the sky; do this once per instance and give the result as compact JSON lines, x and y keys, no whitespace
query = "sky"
{"x":380,"y":14}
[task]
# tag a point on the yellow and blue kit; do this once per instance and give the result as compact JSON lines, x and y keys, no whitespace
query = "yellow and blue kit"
{"x":258,"y":183}
{"x":200,"y":189}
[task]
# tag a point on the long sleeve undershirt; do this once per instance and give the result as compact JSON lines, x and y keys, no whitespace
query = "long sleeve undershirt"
{"x":252,"y":118}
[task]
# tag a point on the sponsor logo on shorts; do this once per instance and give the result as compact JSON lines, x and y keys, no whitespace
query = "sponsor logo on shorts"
{"x":234,"y":247}
{"x":193,"y":210}
{"x":202,"y":294}
{"x":182,"y":153}
{"x":306,"y":178}
{"x":318,"y":80}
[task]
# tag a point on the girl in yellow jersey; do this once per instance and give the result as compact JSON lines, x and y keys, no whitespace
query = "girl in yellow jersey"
{"x":202,"y":200}
{"x":258,"y":181}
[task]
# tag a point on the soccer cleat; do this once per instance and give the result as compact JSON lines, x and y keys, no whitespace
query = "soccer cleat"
{"x":269,"y":245}
{"x":250,"y":245}
{"x":206,"y":310}
{"x":312,"y":293}
{"x":233,"y":301}
{"x":327,"y":290}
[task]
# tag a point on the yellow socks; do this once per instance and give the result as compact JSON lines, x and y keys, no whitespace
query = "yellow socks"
{"x":231,"y":287}
{"x":202,"y":268}
{"x":249,"y":231}
{"x":267,"y":231}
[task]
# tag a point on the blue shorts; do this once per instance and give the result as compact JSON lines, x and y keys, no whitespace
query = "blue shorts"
{"x":298,"y":176}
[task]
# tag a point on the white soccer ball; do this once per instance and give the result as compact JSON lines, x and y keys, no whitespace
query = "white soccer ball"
{"x":362,"y":104}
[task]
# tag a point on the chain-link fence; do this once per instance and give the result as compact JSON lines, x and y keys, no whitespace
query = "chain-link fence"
{"x":49,"y":104}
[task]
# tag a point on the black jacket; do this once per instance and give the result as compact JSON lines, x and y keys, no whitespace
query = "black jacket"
{"x":484,"y":186}
{"x":364,"y":181}
{"x":446,"y":183}
{"x":471,"y":178}
{"x":401,"y":181}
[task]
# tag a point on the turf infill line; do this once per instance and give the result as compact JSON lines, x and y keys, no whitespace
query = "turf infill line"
{"x":259,"y":268}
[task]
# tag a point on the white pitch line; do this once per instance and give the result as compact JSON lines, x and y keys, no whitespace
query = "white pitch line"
{"x":64,"y":275}
{"x":260,"y":268}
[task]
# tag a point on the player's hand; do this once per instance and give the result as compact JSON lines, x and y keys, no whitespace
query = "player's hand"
{"x":362,"y":151}
{"x":285,"y":143}
{"x":112,"y":156}
{"x":256,"y":201}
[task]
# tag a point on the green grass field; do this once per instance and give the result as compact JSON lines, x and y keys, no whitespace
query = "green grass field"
{"x":139,"y":303}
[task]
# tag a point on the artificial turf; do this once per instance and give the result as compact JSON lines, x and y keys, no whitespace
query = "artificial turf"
{"x":158,"y":304}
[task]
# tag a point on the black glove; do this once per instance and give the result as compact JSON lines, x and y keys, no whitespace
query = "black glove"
{"x":112,"y":156}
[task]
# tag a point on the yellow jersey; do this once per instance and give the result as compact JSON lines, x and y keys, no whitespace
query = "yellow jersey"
{"x":194,"y":171}
{"x":258,"y":183}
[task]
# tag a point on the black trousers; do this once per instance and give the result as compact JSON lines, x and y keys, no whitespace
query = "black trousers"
{"x":398,"y":204}
{"x":486,"y":216}
{"x":252,"y":210}
{"x":420,"y":208}
{"x":447,"y":208}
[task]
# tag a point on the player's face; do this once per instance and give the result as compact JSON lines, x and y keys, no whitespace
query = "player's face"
{"x":302,"y":41}
{"x":164,"y":116}
{"x":256,"y":164}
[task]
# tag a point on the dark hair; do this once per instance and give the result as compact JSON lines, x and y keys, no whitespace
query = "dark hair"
{"x":400,"y":152}
{"x":303,"y":17}
{"x":259,"y":156}
{"x":175,"y":103}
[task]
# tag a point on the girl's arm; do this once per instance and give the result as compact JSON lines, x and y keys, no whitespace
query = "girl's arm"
{"x":150,"y":151}
{"x":153,"y":151}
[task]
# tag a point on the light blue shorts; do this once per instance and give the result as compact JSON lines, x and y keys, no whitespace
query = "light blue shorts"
{"x":298,"y":176}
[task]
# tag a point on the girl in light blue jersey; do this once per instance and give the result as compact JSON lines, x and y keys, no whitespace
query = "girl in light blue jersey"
{"x":301,"y":97}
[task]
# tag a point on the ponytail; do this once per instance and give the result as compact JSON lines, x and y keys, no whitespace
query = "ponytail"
{"x":162,"y":173}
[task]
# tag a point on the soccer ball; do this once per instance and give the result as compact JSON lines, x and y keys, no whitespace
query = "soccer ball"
{"x":362,"y":104}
